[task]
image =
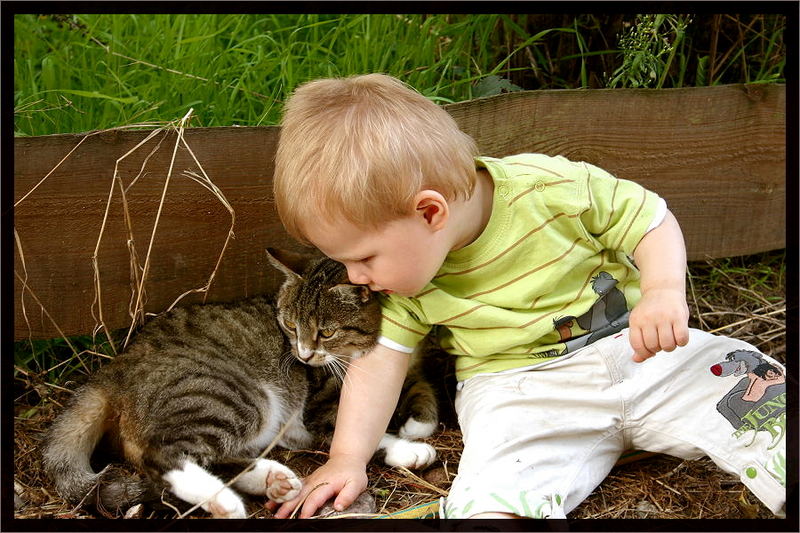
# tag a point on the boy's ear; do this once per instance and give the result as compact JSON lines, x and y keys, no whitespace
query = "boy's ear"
{"x":291,"y":264}
{"x":433,"y":208}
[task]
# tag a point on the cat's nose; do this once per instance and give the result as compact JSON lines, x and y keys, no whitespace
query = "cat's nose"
{"x":305,"y":354}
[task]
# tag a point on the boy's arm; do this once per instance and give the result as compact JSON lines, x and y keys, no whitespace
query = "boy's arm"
{"x":369,"y":396}
{"x":660,"y":320}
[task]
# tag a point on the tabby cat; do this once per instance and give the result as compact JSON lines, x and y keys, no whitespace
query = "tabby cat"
{"x":210,"y":386}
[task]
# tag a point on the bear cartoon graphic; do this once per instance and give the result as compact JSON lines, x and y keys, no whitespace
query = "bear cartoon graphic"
{"x":608,"y":315}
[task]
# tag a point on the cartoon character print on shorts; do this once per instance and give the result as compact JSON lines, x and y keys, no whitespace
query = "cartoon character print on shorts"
{"x":756,"y":403}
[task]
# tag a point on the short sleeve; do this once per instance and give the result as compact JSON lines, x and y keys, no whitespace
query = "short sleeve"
{"x":617,"y":212}
{"x":402,"y":326}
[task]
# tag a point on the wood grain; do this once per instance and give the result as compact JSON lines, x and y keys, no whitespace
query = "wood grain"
{"x":716,"y":154}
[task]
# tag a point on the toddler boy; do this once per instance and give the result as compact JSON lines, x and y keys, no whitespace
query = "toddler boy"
{"x":552,"y":282}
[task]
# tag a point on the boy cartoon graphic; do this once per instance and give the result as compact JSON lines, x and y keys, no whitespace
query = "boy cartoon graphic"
{"x":763,"y":382}
{"x":491,"y":251}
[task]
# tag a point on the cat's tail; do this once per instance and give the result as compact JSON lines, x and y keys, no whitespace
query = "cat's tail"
{"x":68,"y":448}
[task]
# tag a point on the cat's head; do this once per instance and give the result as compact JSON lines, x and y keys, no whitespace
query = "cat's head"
{"x":328,"y":320}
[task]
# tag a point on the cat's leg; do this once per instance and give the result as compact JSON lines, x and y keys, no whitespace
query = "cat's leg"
{"x":418,"y":409}
{"x":296,"y":437}
{"x":277,"y":481}
{"x":402,"y":452}
{"x":195,"y":485}
{"x":414,"y":429}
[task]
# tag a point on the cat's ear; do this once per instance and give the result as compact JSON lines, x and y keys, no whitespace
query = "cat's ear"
{"x":291,"y":264}
{"x":354,"y":293}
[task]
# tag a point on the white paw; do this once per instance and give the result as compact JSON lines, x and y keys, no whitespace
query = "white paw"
{"x":413,"y":429}
{"x":282,"y":484}
{"x":272,"y":478}
{"x":409,"y":454}
{"x":195,"y":485}
{"x":226,"y":504}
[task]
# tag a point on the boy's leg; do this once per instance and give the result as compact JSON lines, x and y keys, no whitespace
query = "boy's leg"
{"x":716,"y":396}
{"x":536,"y":443}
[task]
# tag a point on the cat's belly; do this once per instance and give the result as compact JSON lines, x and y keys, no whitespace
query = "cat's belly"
{"x":272,"y":421}
{"x":278,"y":415}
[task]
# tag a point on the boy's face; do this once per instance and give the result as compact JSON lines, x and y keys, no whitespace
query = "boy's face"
{"x":401,"y":257}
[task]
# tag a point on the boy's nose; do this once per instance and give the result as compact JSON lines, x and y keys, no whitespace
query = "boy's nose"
{"x":357,"y":276}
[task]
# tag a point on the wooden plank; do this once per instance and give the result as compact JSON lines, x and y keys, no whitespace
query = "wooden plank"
{"x":716,"y":154}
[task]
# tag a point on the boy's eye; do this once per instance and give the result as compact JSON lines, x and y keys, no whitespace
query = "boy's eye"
{"x":327,"y":333}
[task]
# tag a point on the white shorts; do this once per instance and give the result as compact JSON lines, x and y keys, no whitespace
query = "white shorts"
{"x":538,"y":442}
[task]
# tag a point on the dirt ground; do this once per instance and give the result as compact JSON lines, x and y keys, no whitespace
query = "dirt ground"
{"x":655,"y":487}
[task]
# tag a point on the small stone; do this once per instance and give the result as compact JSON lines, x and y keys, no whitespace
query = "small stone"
{"x":644,"y":509}
{"x":436,"y":476}
{"x":364,"y":505}
{"x":135,"y":512}
{"x":19,"y":497}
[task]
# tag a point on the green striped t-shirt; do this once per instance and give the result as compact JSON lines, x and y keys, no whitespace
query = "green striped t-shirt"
{"x":550,"y":273}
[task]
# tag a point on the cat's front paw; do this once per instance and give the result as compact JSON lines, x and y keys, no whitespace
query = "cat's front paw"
{"x":414,"y":429}
{"x":283,"y":485}
{"x":272,"y":478}
{"x":409,"y":454}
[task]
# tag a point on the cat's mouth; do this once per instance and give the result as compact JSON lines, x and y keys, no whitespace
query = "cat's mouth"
{"x":319,"y":358}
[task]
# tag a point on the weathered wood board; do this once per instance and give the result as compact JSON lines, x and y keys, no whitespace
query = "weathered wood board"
{"x":717,"y":155}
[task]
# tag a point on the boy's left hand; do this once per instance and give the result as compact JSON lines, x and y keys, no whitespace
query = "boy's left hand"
{"x":659,"y":322}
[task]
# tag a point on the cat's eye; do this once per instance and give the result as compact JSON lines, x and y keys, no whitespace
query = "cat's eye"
{"x":288,"y":324}
{"x":327,"y":333}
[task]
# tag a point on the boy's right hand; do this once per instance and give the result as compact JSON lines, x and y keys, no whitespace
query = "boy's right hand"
{"x":342,"y":475}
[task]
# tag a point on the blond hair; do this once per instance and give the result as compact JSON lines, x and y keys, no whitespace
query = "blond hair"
{"x":361,"y":148}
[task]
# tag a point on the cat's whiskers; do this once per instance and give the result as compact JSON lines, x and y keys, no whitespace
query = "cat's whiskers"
{"x":338,"y":366}
{"x":285,"y":363}
{"x":355,"y":372}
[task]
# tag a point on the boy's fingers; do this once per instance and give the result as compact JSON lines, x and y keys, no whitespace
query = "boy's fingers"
{"x":640,"y":352}
{"x":287,"y":508}
{"x":346,"y":497}
{"x":650,"y":340}
{"x":681,"y":334}
{"x":316,"y":499}
{"x":666,"y":338}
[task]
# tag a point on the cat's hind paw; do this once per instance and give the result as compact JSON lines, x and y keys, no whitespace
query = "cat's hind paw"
{"x":195,"y":485}
{"x":226,"y":504}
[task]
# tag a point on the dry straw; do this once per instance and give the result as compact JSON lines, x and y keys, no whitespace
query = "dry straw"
{"x":139,"y":270}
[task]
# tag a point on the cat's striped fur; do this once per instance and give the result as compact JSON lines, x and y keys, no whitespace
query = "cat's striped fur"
{"x":212,"y":385}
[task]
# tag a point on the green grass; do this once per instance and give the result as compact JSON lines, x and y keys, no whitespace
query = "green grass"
{"x":87,"y":72}
{"x":75,"y":73}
